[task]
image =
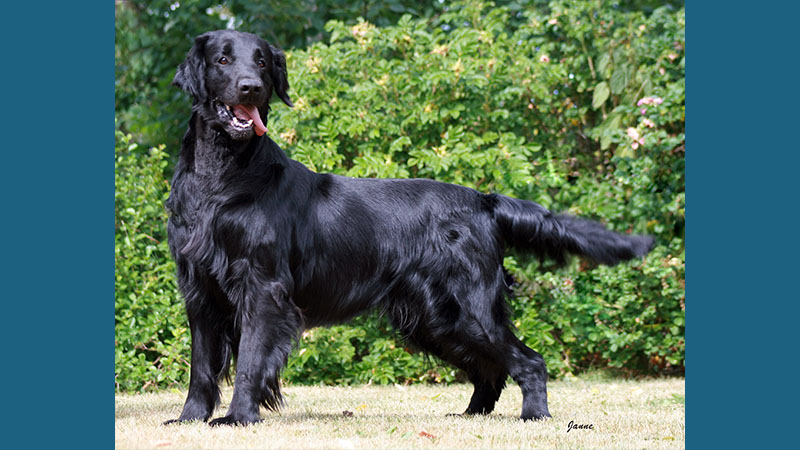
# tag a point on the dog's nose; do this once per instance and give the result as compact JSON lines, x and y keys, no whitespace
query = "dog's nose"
{"x":250,"y":86}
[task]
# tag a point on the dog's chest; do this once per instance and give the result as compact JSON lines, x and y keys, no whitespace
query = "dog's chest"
{"x":236,"y":228}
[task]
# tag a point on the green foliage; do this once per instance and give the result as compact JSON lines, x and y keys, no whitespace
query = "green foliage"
{"x":630,"y":317}
{"x":151,"y":336}
{"x":573,"y":105}
{"x":365,"y":351}
{"x":152,"y":38}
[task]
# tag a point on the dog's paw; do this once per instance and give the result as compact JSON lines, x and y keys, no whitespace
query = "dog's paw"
{"x":182,"y":421}
{"x":537,"y":416}
{"x":234,"y":421}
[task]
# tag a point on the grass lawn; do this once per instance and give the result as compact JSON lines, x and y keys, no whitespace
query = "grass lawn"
{"x":623,"y":414}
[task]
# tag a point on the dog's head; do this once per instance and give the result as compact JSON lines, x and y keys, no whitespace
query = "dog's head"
{"x":231,"y":75}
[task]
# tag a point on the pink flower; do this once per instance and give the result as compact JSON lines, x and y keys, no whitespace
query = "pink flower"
{"x":544,"y":58}
{"x":643,"y":111}
{"x":648,"y":123}
{"x":649,"y":101}
{"x":633,"y":133}
{"x":553,"y":21}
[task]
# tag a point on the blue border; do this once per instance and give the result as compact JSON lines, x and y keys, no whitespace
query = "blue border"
{"x":57,"y":187}
{"x":742,"y":236}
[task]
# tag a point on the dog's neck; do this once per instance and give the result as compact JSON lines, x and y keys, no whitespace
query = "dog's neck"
{"x":213,"y":153}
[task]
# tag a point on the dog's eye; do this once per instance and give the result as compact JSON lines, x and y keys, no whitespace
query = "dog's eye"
{"x":223,"y":60}
{"x":262,"y":63}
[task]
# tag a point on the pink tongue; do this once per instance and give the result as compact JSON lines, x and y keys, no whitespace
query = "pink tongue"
{"x":251,"y":112}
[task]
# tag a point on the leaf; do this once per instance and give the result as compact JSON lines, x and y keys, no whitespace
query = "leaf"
{"x":647,"y":87}
{"x":399,"y":143}
{"x":612,"y":122}
{"x":602,"y":63}
{"x":624,"y":151}
{"x":427,"y":435}
{"x":601,"y":93}
{"x":619,"y":80}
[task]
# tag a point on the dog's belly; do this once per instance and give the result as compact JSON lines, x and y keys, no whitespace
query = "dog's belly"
{"x":334,"y":295}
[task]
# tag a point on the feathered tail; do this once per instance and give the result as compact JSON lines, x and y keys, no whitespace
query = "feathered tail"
{"x":528,"y":226}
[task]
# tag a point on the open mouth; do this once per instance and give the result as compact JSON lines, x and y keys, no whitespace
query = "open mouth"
{"x":241,"y":117}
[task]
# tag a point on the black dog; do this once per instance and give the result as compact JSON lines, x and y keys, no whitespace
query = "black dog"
{"x":265,"y":248}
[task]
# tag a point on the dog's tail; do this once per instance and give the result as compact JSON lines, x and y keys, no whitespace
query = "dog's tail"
{"x":528,"y":226}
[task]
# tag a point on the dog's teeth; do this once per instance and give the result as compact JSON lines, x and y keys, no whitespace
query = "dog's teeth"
{"x":239,"y":124}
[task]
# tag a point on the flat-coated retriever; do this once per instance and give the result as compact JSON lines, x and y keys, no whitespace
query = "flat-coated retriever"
{"x":266,"y":248}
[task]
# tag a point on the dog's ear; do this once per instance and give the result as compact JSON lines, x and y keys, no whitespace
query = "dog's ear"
{"x":280,"y":82}
{"x":191,"y":74}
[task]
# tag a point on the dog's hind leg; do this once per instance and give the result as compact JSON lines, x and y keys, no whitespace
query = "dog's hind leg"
{"x":528,"y":369}
{"x":439,"y":332}
{"x":490,"y":364}
{"x":486,"y":375}
{"x":269,"y":325}
{"x":489,"y":352}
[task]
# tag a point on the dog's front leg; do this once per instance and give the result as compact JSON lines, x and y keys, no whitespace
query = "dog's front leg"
{"x":210,"y":354}
{"x":269,"y":323}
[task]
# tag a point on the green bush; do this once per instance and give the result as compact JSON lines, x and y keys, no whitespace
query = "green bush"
{"x":574,"y":106}
{"x":151,"y":334}
{"x":364,"y":351}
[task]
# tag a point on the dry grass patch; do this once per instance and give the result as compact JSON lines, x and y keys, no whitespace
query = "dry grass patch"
{"x":623,"y":414}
